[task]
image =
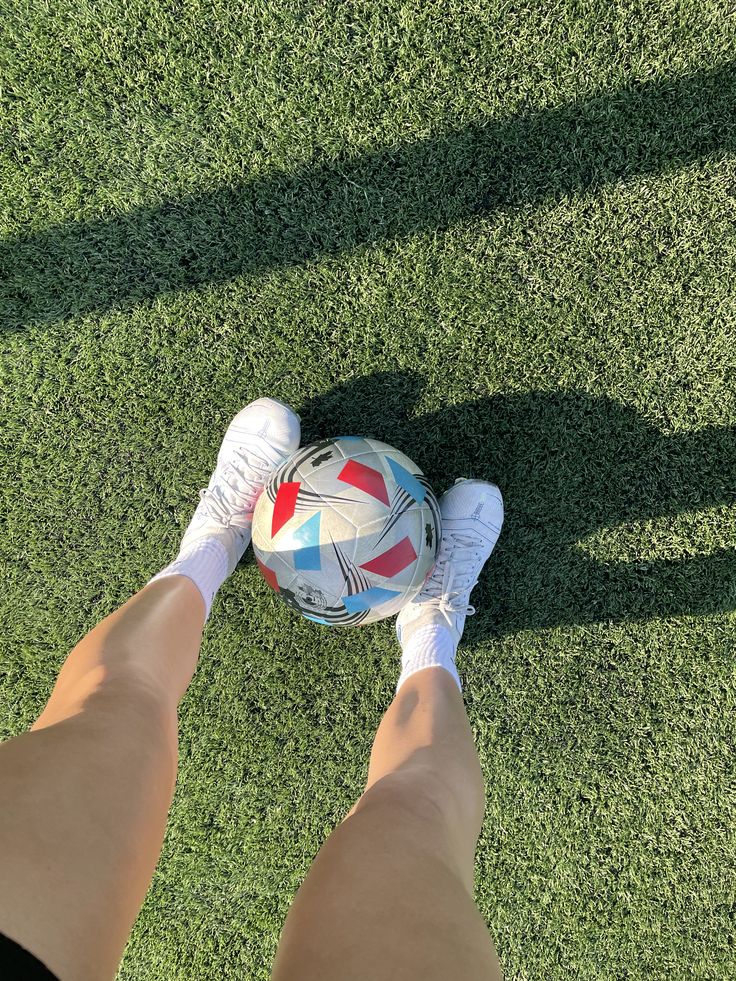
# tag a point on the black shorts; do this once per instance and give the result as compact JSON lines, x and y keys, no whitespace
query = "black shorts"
{"x":17,"y":964}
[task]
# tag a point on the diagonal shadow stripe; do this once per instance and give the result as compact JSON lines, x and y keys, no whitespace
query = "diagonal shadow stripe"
{"x":327,"y":208}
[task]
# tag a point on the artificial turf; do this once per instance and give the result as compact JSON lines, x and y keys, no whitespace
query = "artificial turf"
{"x":500,"y":237}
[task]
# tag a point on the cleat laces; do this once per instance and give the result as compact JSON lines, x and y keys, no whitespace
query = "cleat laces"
{"x":455,"y":574}
{"x":232,"y":499}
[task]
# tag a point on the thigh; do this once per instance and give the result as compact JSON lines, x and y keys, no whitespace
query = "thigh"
{"x":381,"y":903}
{"x":82,"y":819}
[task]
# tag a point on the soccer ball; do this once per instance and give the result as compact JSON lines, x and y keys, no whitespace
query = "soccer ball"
{"x":347,"y":531}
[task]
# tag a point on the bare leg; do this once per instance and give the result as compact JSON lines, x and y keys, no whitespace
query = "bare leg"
{"x":390,"y":894}
{"x":86,"y":793}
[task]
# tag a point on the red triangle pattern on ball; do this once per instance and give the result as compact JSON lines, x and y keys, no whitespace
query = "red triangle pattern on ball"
{"x":269,"y":575}
{"x":391,"y":562}
{"x":284,"y":505}
{"x":364,"y":478}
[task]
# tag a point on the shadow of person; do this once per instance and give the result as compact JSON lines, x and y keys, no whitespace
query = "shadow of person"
{"x":571,"y":466}
{"x":328,"y":207}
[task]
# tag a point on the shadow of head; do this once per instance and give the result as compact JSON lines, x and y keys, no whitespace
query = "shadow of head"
{"x":569,"y":465}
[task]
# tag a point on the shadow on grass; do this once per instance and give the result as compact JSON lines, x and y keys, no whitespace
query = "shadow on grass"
{"x":569,"y":465}
{"x":328,"y":207}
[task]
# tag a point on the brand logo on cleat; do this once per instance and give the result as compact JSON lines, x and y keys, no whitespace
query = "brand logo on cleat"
{"x":478,"y":510}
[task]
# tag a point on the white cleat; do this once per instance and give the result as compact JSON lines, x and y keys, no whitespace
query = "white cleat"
{"x":472,"y":516}
{"x":257,"y":441}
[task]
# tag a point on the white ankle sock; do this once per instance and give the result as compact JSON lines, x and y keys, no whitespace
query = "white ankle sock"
{"x":205,"y":563}
{"x":429,"y":647}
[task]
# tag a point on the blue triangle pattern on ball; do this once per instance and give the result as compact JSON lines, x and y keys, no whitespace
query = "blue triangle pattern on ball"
{"x":407,"y":481}
{"x":306,"y":539}
{"x":367,"y":599}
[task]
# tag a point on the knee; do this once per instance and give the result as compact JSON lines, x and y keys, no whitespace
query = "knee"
{"x":418,"y":800}
{"x":414,"y":817}
{"x":421,"y":797}
{"x":120,"y":699}
{"x":94,"y":672}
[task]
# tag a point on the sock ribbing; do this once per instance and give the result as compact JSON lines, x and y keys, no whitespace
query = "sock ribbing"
{"x":206,"y":563}
{"x":429,"y":647}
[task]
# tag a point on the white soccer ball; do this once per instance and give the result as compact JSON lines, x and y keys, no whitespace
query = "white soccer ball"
{"x":347,"y":531}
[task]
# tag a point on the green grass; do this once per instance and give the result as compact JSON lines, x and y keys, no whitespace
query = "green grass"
{"x":501,"y":238}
